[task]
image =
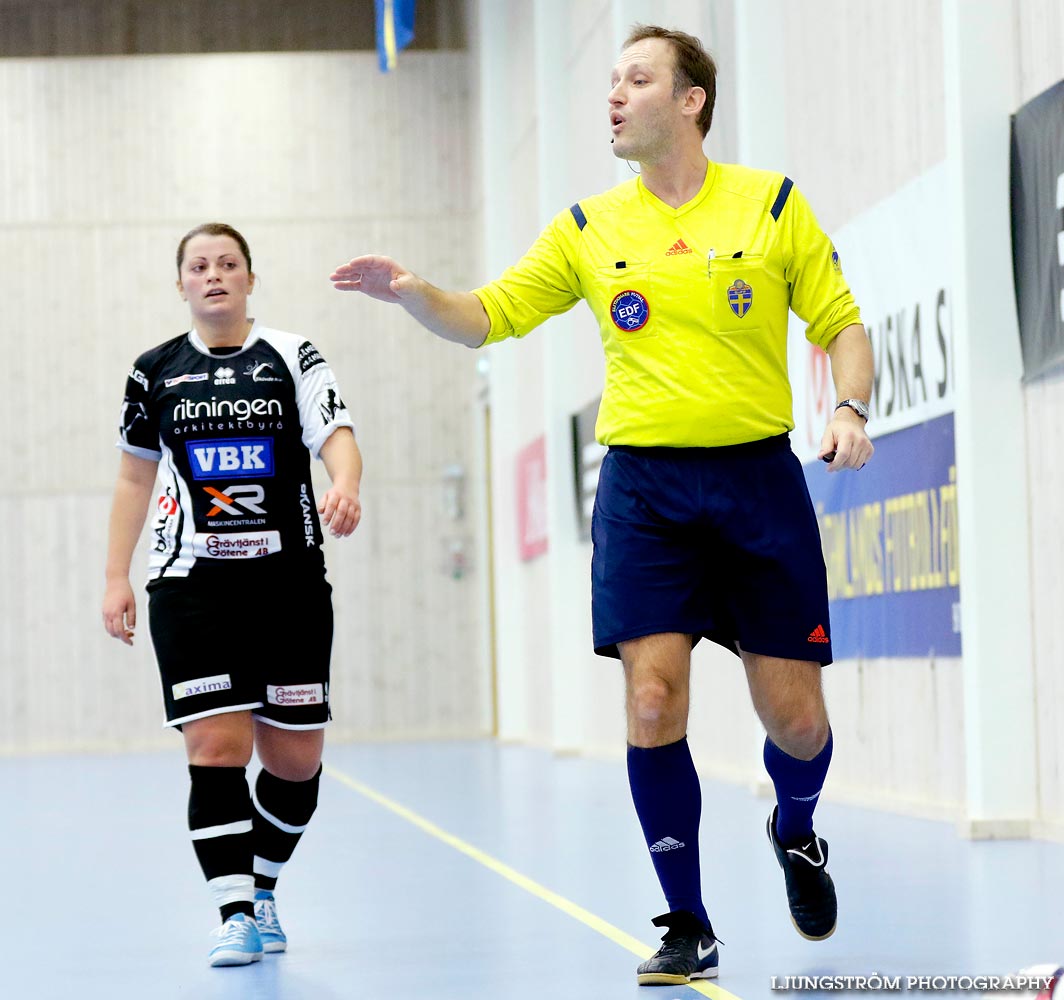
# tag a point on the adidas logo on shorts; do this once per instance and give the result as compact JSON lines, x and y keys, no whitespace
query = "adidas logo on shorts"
{"x":818,"y":635}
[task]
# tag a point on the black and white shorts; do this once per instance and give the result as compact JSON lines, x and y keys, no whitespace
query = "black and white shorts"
{"x":262,"y":647}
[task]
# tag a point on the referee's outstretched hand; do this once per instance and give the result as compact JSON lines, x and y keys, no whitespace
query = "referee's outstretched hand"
{"x":378,"y":277}
{"x":845,"y":444}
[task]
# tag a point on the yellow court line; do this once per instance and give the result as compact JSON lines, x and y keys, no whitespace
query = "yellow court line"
{"x":574,"y":910}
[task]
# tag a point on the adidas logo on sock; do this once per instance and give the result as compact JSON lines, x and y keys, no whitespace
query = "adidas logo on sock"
{"x":818,"y":635}
{"x":678,"y":247}
{"x":667,"y":844}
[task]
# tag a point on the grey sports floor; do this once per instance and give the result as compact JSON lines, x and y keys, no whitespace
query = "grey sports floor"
{"x":474,"y":871}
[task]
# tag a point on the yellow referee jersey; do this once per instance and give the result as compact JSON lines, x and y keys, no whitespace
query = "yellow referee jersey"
{"x":691,"y":303}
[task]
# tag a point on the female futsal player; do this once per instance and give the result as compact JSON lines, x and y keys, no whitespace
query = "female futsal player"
{"x":226,"y":418}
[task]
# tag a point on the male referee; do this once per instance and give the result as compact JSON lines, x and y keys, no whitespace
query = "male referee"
{"x":703,"y":524}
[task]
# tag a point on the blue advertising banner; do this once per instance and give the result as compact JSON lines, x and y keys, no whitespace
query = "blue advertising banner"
{"x":890,"y":540}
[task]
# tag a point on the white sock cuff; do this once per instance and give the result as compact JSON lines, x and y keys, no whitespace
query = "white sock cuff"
{"x":228,"y":889}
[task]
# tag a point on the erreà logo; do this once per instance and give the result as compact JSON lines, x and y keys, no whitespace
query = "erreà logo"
{"x":224,"y":376}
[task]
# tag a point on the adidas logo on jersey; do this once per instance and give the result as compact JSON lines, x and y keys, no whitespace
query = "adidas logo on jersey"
{"x":678,"y":247}
{"x":667,"y":844}
{"x":818,"y":635}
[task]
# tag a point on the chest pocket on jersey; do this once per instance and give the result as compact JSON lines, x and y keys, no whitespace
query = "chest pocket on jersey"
{"x":740,"y":292}
{"x":628,"y":297}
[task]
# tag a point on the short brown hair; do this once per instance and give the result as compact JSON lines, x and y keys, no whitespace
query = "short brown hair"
{"x":693,"y":66}
{"x":213,"y":229}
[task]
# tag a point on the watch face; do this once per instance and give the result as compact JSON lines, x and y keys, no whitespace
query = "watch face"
{"x":859,"y":406}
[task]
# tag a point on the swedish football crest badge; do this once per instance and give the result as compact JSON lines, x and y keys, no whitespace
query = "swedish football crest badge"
{"x":740,"y":297}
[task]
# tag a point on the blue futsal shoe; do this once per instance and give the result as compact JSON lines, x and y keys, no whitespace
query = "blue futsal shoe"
{"x":238,"y":942}
{"x":688,"y":951}
{"x":810,"y":890}
{"x":273,"y":938}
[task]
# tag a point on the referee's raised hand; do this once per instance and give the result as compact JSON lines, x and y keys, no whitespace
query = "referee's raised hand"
{"x":378,"y":277}
{"x":453,"y":315}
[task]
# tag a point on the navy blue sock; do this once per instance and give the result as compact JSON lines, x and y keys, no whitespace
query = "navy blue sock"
{"x":668,"y":802}
{"x":798,"y":785}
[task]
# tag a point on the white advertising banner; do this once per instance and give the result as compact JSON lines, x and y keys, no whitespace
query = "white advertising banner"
{"x":895,"y":259}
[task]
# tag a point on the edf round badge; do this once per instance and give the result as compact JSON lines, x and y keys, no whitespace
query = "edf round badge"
{"x":629,"y":311}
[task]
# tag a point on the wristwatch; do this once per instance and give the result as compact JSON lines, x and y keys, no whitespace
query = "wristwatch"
{"x":859,"y":406}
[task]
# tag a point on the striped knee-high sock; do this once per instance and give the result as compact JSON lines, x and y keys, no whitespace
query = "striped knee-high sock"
{"x":219,"y":817}
{"x":282,"y":811}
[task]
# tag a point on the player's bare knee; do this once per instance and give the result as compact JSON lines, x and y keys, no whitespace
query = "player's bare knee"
{"x":801,"y":734}
{"x":657,"y":713}
{"x":219,"y":751}
{"x":651,"y":700}
{"x":220,"y":757}
{"x":293,"y":768}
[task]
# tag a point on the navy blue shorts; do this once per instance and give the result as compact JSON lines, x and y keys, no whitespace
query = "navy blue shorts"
{"x":714,"y":542}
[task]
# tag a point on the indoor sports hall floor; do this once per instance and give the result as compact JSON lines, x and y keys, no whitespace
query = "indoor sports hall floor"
{"x":473,"y":871}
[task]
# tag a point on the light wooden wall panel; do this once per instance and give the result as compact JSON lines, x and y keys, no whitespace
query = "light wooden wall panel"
{"x":1041,"y":38}
{"x":899,"y":735}
{"x":316,"y":158}
{"x":307,"y":137}
{"x":1040,"y":31}
{"x":865,"y":100}
{"x":898,"y":728}
{"x":1045,"y":423}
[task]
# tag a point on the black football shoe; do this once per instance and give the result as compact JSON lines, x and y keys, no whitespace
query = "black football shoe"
{"x":810,"y":891}
{"x":688,"y":951}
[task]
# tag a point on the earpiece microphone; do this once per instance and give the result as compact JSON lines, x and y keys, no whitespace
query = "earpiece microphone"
{"x":611,"y":142}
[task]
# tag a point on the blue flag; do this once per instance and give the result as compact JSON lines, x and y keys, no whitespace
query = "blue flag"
{"x":395,"y":30}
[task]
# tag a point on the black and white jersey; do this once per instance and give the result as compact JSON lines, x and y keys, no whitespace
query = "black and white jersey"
{"x":233,"y":434}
